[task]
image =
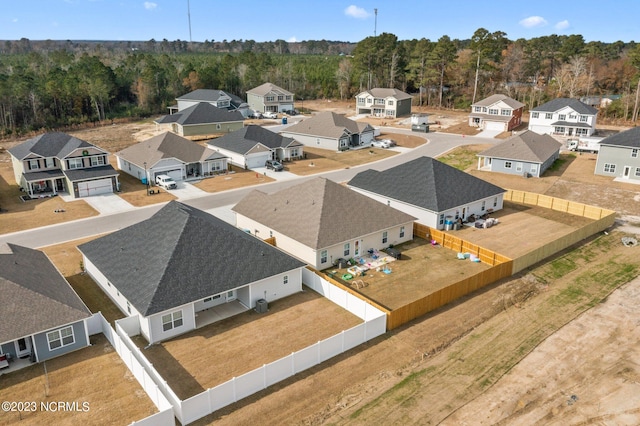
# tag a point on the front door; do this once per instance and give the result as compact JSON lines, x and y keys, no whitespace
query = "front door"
{"x":625,"y":174}
{"x":570,"y":131}
{"x":23,"y":347}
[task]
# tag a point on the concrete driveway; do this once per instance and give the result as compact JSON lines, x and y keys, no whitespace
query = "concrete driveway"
{"x":108,"y":203}
{"x":282,"y":175}
{"x":488,"y":134}
{"x":186,"y":191}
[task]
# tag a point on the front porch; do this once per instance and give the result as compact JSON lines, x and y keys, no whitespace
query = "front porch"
{"x":44,"y":184}
{"x":219,"y":312}
{"x":16,"y":364}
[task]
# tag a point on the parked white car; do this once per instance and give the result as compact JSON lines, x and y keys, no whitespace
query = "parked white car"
{"x":269,"y":114}
{"x":381,"y":143}
{"x":166,"y":182}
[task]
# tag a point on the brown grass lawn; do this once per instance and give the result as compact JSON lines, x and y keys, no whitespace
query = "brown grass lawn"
{"x":406,"y":141}
{"x":214,"y":354}
{"x":95,"y":375}
{"x":238,"y":179}
{"x":322,"y":160}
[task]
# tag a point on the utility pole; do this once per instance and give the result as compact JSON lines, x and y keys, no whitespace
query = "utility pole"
{"x":375,"y":25}
{"x":189,"y":17}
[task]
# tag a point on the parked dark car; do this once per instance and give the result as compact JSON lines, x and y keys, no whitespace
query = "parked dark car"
{"x":274,"y":165}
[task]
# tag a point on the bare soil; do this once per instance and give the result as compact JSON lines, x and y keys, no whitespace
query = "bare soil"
{"x":95,"y":375}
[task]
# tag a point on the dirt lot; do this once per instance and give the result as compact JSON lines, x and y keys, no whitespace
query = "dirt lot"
{"x":95,"y":375}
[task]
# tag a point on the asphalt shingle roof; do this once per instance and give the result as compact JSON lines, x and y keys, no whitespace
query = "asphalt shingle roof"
{"x":167,"y":145}
{"x":75,"y":175}
{"x":53,"y":144}
{"x":35,"y":296}
{"x":380,"y":92}
{"x":559,"y":103}
{"x":426,"y":183}
{"x":528,"y":146}
{"x":202,"y":113}
{"x":493,"y":99}
{"x":320,"y":213}
{"x":266,"y":88}
{"x":629,"y":138}
{"x":327,"y":124}
{"x":181,"y":255}
{"x":244,"y":140}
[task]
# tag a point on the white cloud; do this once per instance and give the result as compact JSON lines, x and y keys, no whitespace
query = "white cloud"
{"x":149,"y":5}
{"x":533,"y":21}
{"x":14,"y":20}
{"x":356,"y":12}
{"x":562,"y":25}
{"x":292,"y":39}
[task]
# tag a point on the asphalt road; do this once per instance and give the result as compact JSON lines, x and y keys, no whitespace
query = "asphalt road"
{"x":438,"y":144}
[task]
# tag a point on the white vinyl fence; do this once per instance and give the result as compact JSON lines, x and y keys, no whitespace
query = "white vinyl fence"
{"x":97,"y":324}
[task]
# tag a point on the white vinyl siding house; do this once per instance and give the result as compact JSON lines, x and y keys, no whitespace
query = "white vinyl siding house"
{"x":563,"y":118}
{"x":381,"y":102}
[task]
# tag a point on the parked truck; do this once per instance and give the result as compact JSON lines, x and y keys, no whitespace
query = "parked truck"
{"x":584,"y":145}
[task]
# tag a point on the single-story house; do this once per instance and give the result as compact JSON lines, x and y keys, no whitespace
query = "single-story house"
{"x":41,"y":316}
{"x":170,"y":154}
{"x":57,"y":162}
{"x":526,"y":154}
{"x":217,"y":98}
{"x":320,"y":221}
{"x":168,"y":269}
{"x":270,"y":98}
{"x":563,"y":117}
{"x":201,"y":119}
{"x":430,"y":190}
{"x":619,"y":156}
{"x":329,"y":130}
{"x":252,"y":146}
{"x":497,"y":112}
{"x":382,"y":102}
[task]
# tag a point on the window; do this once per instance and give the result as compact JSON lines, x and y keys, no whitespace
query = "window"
{"x":401,"y":231}
{"x":477,"y":109}
{"x":441,"y":220}
{"x":506,"y":112}
{"x":343,"y":142}
{"x":572,"y":116}
{"x":390,"y":102}
{"x":59,"y":338}
{"x":280,"y":98}
{"x":582,"y":132}
{"x":637,"y":172}
{"x":295,"y":152}
{"x":548,"y":115}
{"x":484,"y":109}
{"x":171,"y":321}
{"x":269,"y":98}
{"x":495,"y":201}
{"x":49,"y":163}
{"x":347,"y":249}
{"x":535,"y":115}
{"x":384,"y":237}
{"x":609,"y":168}
{"x":207,"y":299}
{"x":493,"y":111}
{"x":323,"y":256}
{"x":270,"y":234}
{"x":518,"y":167}
{"x":97,"y":161}
{"x":369,"y":100}
{"x":285,"y":279}
{"x":559,"y":130}
{"x":634,"y":153}
{"x":483,"y":205}
{"x":34,"y":165}
{"x":75,"y":163}
{"x":534,"y":169}
{"x":583,"y":118}
{"x":288,"y":97}
{"x":507,"y":164}
{"x":562,"y":117}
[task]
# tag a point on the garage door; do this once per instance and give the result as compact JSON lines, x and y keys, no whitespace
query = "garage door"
{"x":255,"y":161}
{"x":95,"y":187}
{"x":492,"y":125}
{"x":176,"y":174}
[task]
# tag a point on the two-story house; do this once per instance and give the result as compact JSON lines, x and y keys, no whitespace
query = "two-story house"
{"x":270,"y":98}
{"x":57,"y":162}
{"x":563,"y":117}
{"x":380,"y":102}
{"x":217,"y":98}
{"x":497,"y":112}
{"x":619,"y":156}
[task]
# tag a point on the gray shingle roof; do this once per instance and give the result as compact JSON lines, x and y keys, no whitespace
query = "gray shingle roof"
{"x":320,"y":213}
{"x":35,"y":296}
{"x":167,"y":145}
{"x":181,"y":255}
{"x":380,"y":92}
{"x":497,"y":98}
{"x":201,"y":113}
{"x":328,"y":124}
{"x":571,"y":124}
{"x":53,"y":144}
{"x":210,"y":95}
{"x":75,"y":175}
{"x":559,"y":103}
{"x":244,"y":140}
{"x":266,"y":88}
{"x":427,"y":183}
{"x":629,"y":138}
{"x":528,"y":146}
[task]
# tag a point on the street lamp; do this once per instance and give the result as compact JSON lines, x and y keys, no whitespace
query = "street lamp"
{"x":146,"y":177}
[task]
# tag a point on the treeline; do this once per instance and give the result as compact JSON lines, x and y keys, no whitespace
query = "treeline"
{"x":48,"y":84}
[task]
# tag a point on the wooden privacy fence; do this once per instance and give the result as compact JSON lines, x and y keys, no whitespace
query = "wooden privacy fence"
{"x":558,"y":204}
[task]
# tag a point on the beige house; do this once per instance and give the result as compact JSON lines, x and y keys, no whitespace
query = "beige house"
{"x":271,"y":98}
{"x":380,"y":102}
{"x":201,"y":119}
{"x":329,"y":130}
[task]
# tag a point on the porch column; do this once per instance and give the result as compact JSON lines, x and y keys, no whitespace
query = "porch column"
{"x":54,"y":186}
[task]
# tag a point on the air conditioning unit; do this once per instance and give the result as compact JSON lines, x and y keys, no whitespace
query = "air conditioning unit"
{"x":262,"y":306}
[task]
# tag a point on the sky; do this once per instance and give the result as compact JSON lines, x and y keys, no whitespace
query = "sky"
{"x":300,"y":20}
